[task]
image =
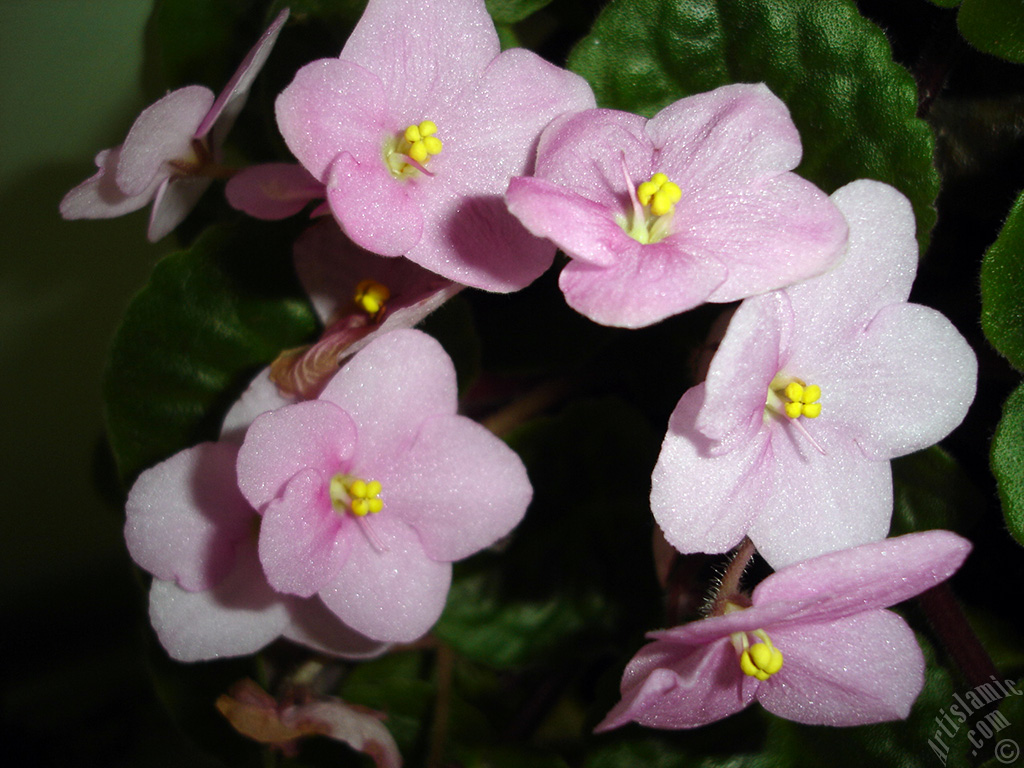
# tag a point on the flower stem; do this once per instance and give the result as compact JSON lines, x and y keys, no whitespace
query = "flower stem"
{"x":729,"y":587}
{"x":954,"y":632}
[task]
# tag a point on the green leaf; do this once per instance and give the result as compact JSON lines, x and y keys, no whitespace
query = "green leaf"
{"x":207,"y":321}
{"x":945,"y":3}
{"x":854,"y":107}
{"x":931,"y":491}
{"x":1002,"y":288}
{"x":1007,"y":459}
{"x":511,"y":11}
{"x":577,"y":576}
{"x":999,"y":733}
{"x":994,"y":26}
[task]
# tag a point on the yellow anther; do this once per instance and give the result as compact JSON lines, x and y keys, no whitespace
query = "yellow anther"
{"x":422,"y":141}
{"x":371,"y":296}
{"x":760,"y":659}
{"x":355,"y":495}
{"x":659,"y":193}
{"x":802,"y":400}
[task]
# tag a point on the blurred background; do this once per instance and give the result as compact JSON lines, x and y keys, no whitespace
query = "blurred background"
{"x":75,"y":689}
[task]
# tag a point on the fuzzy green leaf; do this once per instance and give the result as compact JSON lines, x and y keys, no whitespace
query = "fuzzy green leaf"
{"x":207,"y":321}
{"x":855,"y":108}
{"x":994,"y":26}
{"x":931,"y":491}
{"x":1008,"y":462}
{"x":1002,"y":289}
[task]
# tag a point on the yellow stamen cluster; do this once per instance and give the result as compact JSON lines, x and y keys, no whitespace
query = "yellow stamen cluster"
{"x":422,"y":141}
{"x":371,"y":296}
{"x":803,"y":400}
{"x":760,"y":660}
{"x":659,"y":193}
{"x":355,"y":495}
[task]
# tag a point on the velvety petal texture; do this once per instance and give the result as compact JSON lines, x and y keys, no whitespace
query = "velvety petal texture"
{"x":447,"y":488}
{"x":893,"y":377}
{"x":407,"y":64}
{"x":845,"y":660}
{"x":742,"y":223}
{"x":169,"y":156}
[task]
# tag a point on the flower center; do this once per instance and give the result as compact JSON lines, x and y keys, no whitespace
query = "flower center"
{"x":793,"y":398}
{"x":371,"y":296}
{"x":199,"y":162}
{"x":653,"y":208}
{"x":408,"y":154}
{"x":757,"y":659}
{"x":355,"y":495}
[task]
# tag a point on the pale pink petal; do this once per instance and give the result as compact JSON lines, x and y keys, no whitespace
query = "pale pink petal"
{"x":302,"y":542}
{"x":819,"y":503}
{"x":280,"y":444}
{"x":316,"y":627}
{"x":163,"y":132}
{"x":459,"y":486}
{"x":579,"y":226}
{"x":426,"y":52}
{"x":494,"y":128}
{"x":332,"y":107}
{"x":273,"y":191}
{"x":878,"y":270}
{"x":860,"y":669}
{"x":874,"y":575}
{"x":261,"y":396}
{"x":706,"y":503}
{"x":395,"y":594}
{"x":769,"y":235}
{"x":99,"y":197}
{"x":648,"y":283}
{"x":909,"y":380}
{"x":185,"y":517}
{"x":674,"y":686}
{"x":747,"y":360}
{"x":229,"y":103}
{"x":360,"y":728}
{"x":599,"y":154}
{"x":727,"y":137}
{"x":175,"y":199}
{"x":239,"y":616}
{"x":379,"y":213}
{"x":390,"y":388}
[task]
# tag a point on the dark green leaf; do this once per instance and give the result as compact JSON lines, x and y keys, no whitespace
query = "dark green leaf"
{"x":578,"y":573}
{"x":1002,"y":288}
{"x":208,"y":320}
{"x":931,"y":491}
{"x":994,"y":26}
{"x":1008,"y":462}
{"x":854,"y":106}
{"x":999,"y":733}
{"x":511,"y":11}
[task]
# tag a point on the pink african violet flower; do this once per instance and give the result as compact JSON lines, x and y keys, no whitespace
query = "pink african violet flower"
{"x":371,"y":491}
{"x":728,"y":220}
{"x":172,"y":151}
{"x":358,"y":296}
{"x":189,"y":526}
{"x":416,"y":129}
{"x":813,"y":390}
{"x":820,"y":646}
